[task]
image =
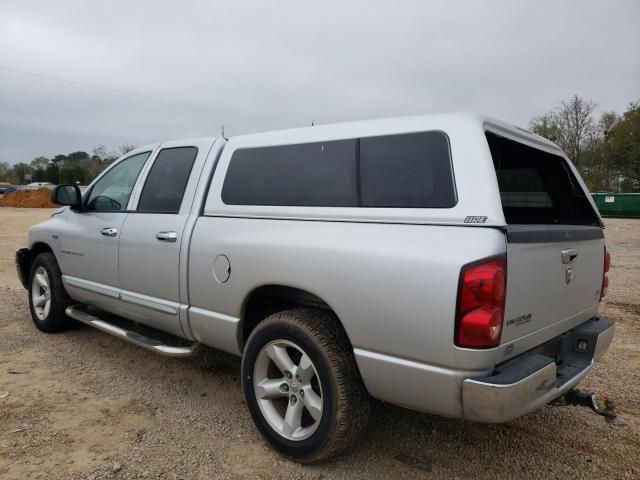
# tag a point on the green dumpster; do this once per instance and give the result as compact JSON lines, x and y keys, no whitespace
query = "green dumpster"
{"x":625,"y":205}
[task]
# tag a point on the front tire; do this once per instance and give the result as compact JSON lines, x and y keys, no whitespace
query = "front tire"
{"x":47,"y":297}
{"x":302,"y":386}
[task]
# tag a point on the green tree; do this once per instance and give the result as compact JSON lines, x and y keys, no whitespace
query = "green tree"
{"x":546,"y":126}
{"x":570,"y":125}
{"x":18,"y":173}
{"x":73,"y":159}
{"x":606,"y":152}
{"x":624,"y":138}
{"x":126,"y":148}
{"x":52,"y":174}
{"x":59,"y":159}
{"x":5,"y":171}
{"x":39,"y":168}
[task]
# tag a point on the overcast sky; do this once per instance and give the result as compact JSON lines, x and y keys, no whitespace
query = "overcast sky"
{"x":148,"y":71}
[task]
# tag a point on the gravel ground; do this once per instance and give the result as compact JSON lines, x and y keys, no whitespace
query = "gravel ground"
{"x":83,"y":405}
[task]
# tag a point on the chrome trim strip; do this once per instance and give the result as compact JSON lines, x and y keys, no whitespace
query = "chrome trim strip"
{"x":90,"y":286}
{"x":214,"y":315}
{"x":163,"y":306}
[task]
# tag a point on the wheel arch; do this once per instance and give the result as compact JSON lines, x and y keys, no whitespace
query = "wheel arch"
{"x":28,"y":256}
{"x":40,"y":247}
{"x":268,"y":299}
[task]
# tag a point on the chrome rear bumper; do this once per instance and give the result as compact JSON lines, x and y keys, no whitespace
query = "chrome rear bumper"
{"x":533,"y":379}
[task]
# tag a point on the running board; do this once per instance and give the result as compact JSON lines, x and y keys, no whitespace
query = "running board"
{"x":76,"y":312}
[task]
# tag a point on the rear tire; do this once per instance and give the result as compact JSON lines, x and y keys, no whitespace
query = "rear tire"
{"x":309,"y":403}
{"x":47,"y":297}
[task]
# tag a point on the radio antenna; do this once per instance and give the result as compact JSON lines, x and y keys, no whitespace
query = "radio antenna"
{"x":222,"y":132}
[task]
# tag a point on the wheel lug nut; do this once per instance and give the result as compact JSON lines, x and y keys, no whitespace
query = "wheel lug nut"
{"x":301,"y":393}
{"x":284,"y":387}
{"x":287,"y":374}
{"x":298,"y":378}
{"x":293,"y":400}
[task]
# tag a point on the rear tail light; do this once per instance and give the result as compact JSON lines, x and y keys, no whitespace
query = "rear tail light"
{"x":605,"y":278}
{"x":480,"y":309}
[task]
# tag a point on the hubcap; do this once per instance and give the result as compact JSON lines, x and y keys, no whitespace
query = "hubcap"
{"x":288,"y":390}
{"x":41,"y":293}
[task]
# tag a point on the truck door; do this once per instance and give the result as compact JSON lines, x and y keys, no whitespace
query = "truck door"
{"x":89,"y":241}
{"x":153,"y":237}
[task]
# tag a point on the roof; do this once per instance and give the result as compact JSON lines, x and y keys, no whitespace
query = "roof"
{"x":442,"y":121}
{"x":362,"y":128}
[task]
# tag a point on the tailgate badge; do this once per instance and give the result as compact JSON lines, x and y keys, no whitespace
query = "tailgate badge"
{"x":568,"y":275}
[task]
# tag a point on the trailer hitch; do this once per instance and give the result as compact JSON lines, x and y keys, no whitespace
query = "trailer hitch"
{"x":586,"y":399}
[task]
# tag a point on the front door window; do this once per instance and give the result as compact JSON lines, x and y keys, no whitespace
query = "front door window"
{"x":111,"y":193}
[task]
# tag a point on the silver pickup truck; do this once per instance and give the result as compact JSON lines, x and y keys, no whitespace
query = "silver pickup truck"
{"x":452,"y":264}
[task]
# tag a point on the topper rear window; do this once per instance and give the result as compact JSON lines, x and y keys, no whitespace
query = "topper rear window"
{"x":537,"y":187}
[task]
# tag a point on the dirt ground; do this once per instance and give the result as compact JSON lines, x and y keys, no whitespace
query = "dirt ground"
{"x":84,"y":405}
{"x":40,"y":198}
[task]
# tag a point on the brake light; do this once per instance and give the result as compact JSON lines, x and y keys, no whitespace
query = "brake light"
{"x":605,"y":278}
{"x":480,"y":309}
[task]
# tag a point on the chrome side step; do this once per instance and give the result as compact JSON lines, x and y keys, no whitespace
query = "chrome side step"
{"x":76,"y":312}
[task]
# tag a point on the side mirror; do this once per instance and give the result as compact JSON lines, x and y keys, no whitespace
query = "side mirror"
{"x":67,"y":195}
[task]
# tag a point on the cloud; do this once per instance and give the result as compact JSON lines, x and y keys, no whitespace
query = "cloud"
{"x":174,"y":70}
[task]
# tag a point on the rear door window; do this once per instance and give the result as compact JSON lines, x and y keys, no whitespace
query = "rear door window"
{"x":165,"y":185}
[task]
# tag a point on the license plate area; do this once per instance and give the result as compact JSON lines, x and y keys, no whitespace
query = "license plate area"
{"x":574,"y":350}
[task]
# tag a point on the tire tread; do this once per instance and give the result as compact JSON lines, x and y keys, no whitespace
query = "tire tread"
{"x":57,"y":321}
{"x":353,"y":401}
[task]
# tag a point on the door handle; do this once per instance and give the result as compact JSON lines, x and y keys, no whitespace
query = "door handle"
{"x":109,"y":231}
{"x":167,"y":236}
{"x":569,"y":255}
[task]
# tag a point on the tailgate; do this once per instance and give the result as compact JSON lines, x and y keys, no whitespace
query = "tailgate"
{"x":555,"y":242}
{"x":554,"y":274}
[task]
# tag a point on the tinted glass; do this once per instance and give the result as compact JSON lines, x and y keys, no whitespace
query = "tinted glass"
{"x":523,"y":188}
{"x":537,"y":187}
{"x":167,"y":180}
{"x":113,"y":190}
{"x":311,"y":174}
{"x":408,"y":170}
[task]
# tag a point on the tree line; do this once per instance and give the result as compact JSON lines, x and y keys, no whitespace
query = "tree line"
{"x":606,"y":150}
{"x":75,"y":167}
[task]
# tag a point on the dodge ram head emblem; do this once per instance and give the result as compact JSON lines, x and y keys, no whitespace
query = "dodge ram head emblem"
{"x":568,"y":275}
